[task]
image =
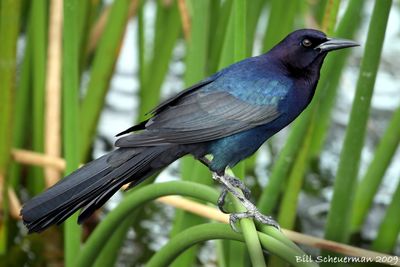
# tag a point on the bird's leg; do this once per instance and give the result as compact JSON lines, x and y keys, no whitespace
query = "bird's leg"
{"x":235,"y":182}
{"x":239,"y":184}
{"x":251,"y":209}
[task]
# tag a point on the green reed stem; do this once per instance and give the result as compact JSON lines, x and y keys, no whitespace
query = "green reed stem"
{"x":71,"y":131}
{"x":338,"y":223}
{"x":102,"y":69}
{"x":9,"y":29}
{"x":38,"y":33}
{"x":389,"y":228}
{"x":369,"y":184}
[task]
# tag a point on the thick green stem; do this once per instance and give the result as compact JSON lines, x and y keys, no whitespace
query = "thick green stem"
{"x":369,"y":185}
{"x":102,"y":69}
{"x":389,"y":229}
{"x":9,"y":29}
{"x":71,"y":131}
{"x":38,"y":33}
{"x":338,"y":224}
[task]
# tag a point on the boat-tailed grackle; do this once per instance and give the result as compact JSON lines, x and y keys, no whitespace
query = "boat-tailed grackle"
{"x":228,"y":115}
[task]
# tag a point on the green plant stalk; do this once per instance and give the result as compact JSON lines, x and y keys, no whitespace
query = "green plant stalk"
{"x":39,"y":37}
{"x":240,"y":9}
{"x":219,"y":23}
{"x":280,"y":171}
{"x":389,"y":228}
{"x":83,"y":22}
{"x":196,"y":58}
{"x":209,"y":231}
{"x":71,"y":131}
{"x":168,"y":28}
{"x":23,"y":97}
{"x":195,"y":70}
{"x":9,"y":30}
{"x":319,"y":10}
{"x":330,"y":15}
{"x":227,"y":53}
{"x":369,"y":184}
{"x":288,"y":207}
{"x":84,"y":16}
{"x":221,"y":257}
{"x":236,"y":255}
{"x":277,"y":27}
{"x":338,"y":223}
{"x":252,"y":17}
{"x":160,"y":23}
{"x":102,"y":69}
{"x":251,"y":240}
{"x":131,"y":202}
{"x":87,"y":18}
{"x":330,"y":79}
{"x":275,"y":233}
{"x":142,"y":45}
{"x":109,"y":254}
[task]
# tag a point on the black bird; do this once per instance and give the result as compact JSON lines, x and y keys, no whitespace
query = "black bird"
{"x":228,"y":115}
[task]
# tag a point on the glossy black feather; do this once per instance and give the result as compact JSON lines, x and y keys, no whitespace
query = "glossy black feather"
{"x":201,"y":117}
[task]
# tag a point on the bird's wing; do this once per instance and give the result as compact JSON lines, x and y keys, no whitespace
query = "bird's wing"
{"x":202,"y":116}
{"x":170,"y":101}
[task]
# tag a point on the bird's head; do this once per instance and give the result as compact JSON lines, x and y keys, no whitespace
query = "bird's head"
{"x":304,"y":50}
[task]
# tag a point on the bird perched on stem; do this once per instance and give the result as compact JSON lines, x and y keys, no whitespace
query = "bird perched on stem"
{"x":228,"y":116}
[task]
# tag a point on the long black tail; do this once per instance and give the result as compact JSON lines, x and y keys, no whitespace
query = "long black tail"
{"x":92,"y":185}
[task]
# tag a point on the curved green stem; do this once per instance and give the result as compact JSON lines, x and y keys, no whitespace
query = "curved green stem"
{"x":105,"y":229}
{"x":275,"y":233}
{"x":208,"y":231}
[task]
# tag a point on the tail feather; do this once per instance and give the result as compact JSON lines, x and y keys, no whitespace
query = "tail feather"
{"x":92,"y":185}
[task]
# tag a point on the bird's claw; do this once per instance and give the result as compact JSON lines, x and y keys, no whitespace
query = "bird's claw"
{"x":221,"y":201}
{"x":230,"y":184}
{"x":254,"y":214}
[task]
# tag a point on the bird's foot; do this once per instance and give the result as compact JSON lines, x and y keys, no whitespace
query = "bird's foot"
{"x":253,"y":214}
{"x":230,"y":184}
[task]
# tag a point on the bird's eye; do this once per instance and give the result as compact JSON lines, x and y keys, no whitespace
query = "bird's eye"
{"x":306,"y":43}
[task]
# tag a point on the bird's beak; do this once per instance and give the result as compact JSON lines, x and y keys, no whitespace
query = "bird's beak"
{"x":335,"y":44}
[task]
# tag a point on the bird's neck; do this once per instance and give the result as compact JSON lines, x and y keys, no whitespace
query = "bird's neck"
{"x":305,"y":79}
